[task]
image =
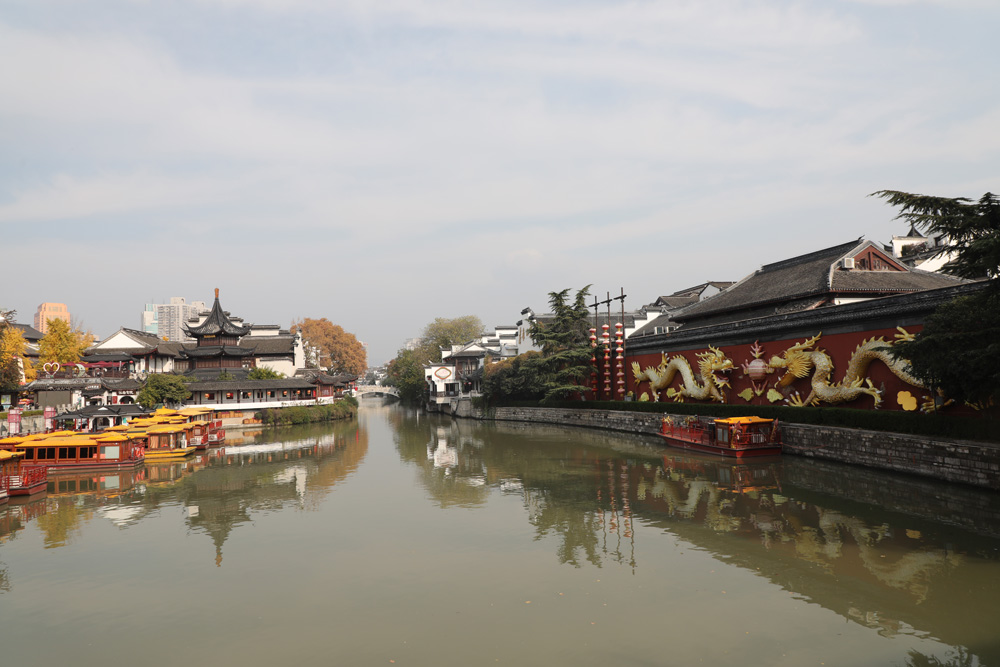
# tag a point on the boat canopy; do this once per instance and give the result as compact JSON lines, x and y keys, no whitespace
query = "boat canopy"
{"x":732,"y":421}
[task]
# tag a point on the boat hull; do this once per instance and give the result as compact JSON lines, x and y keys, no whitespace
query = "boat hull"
{"x":95,"y":465}
{"x":165,"y":455}
{"x":711,"y":448}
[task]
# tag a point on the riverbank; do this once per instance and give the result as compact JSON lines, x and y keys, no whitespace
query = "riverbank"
{"x":346,"y":408}
{"x":951,"y":460}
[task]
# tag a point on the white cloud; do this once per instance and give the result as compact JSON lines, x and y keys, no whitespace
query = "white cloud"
{"x":653,"y":144}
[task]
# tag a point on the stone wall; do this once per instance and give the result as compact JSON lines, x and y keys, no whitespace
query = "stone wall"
{"x":960,"y":461}
{"x":33,"y":424}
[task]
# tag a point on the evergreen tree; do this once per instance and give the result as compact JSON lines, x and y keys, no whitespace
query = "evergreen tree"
{"x":958,"y":348}
{"x":565,"y":343}
{"x":970,"y":230}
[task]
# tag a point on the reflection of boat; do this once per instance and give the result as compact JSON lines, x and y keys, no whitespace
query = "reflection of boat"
{"x":738,"y":437}
{"x":100,"y":483}
{"x":736,"y":476}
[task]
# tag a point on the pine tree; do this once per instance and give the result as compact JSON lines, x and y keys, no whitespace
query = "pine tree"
{"x":565,"y":343}
{"x":958,"y":348}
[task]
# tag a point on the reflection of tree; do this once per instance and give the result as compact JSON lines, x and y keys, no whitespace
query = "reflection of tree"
{"x":578,"y":527}
{"x":586,"y":488}
{"x":294,"y":466}
{"x":961,"y":658}
{"x":62,"y":521}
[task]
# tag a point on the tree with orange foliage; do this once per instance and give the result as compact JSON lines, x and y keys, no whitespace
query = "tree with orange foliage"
{"x":14,"y":366}
{"x":337,"y":350}
{"x":62,"y":344}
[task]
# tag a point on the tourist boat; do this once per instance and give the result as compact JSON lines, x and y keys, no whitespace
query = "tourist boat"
{"x":168,"y":441}
{"x":70,"y":450}
{"x":17,"y":480}
{"x":738,"y":437}
{"x":208,"y":432}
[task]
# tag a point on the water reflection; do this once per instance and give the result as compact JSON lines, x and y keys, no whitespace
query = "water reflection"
{"x":910,"y":560}
{"x":895,"y":554}
{"x":219,"y":489}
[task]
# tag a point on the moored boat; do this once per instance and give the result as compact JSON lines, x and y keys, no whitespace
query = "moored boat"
{"x":68,"y":450}
{"x":737,"y":437}
{"x":168,"y":441}
{"x":17,"y":480}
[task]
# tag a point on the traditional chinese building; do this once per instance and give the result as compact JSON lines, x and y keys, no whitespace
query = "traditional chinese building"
{"x":816,"y":329}
{"x":217,"y":345}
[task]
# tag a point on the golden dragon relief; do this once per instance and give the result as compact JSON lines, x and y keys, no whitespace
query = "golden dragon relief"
{"x":710,"y":366}
{"x":804,"y":358}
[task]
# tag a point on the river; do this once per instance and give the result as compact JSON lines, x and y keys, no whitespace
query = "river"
{"x":409,"y":539}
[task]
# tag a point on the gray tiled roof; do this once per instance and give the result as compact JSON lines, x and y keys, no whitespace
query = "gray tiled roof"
{"x":217,"y":322}
{"x":802,"y":283}
{"x":269,"y":344}
{"x":781,"y":281}
{"x":30,"y":333}
{"x":895,"y":281}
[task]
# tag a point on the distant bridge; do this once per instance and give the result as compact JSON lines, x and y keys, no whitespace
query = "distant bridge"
{"x":376,"y":390}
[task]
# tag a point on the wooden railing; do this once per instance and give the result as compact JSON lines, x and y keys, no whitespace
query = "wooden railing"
{"x":30,"y":475}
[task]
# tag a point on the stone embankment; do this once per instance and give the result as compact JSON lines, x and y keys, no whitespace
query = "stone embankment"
{"x":960,"y":461}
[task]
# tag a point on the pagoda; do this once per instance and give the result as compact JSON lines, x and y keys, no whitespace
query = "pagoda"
{"x":217,"y":345}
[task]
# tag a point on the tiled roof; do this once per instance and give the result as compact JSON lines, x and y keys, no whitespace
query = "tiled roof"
{"x":663,"y":321}
{"x":788,"y":280}
{"x":806,"y":282}
{"x":269,"y":344}
{"x":891,"y":281}
{"x":890,"y":310}
{"x":217,"y":322}
{"x":29,"y":333}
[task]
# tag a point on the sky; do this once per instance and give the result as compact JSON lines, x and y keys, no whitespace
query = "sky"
{"x":385,"y":163}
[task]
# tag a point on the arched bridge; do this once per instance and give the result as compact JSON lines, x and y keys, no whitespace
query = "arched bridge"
{"x":376,"y":390}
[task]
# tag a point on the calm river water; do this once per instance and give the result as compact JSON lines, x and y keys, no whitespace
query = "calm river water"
{"x":413,"y":540}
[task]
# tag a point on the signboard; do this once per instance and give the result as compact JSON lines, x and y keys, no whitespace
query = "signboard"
{"x":14,"y":421}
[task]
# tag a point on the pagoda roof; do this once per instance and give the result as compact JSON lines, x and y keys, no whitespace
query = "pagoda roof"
{"x":217,"y":322}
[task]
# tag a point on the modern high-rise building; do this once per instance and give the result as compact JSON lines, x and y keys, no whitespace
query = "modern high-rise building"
{"x":149,"y":321}
{"x":50,"y":311}
{"x":166,"y":319}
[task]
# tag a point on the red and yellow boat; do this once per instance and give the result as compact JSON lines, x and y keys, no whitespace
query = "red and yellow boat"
{"x":70,"y":450}
{"x":738,"y":437}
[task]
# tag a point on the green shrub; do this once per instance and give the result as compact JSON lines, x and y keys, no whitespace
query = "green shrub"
{"x":301,"y":414}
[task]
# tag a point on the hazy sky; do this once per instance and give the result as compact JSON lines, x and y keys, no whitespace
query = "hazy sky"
{"x":384,"y":163}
